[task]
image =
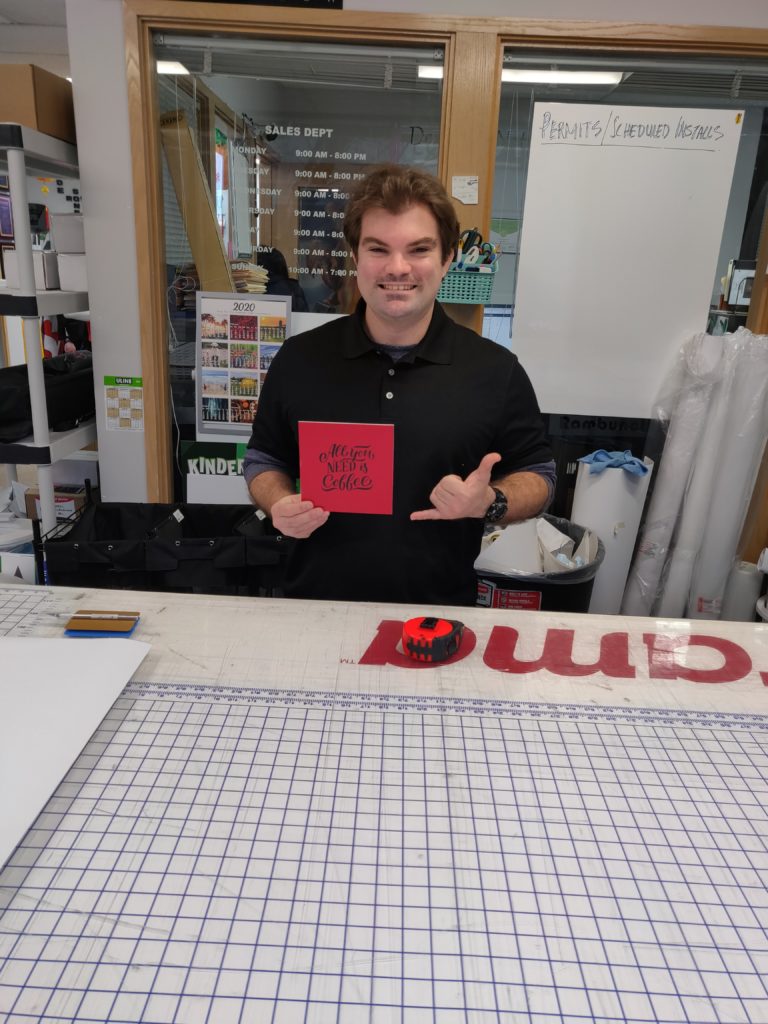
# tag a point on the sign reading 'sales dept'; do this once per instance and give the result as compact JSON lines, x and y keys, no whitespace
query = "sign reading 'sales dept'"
{"x":238,"y":336}
{"x":124,"y":403}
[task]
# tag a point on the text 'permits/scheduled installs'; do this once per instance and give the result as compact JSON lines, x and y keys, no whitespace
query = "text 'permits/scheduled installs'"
{"x":347,"y":467}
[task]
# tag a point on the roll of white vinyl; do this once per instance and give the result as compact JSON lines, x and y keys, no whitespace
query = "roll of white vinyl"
{"x":741,"y":593}
{"x":610,"y":504}
{"x":738,"y":460}
{"x":703,"y":471}
{"x":696,"y":373}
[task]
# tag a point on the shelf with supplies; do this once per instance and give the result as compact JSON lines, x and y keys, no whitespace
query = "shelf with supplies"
{"x":61,"y":445}
{"x":24,"y":151}
{"x":43,"y":303}
{"x":41,"y":152}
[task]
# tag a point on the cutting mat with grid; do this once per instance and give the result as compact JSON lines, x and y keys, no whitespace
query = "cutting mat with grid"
{"x":21,"y":609}
{"x":272,"y":857}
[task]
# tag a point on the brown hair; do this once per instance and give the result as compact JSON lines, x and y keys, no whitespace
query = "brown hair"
{"x":395,"y":188}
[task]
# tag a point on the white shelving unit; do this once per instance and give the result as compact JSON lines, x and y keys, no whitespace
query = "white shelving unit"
{"x":26,"y":149}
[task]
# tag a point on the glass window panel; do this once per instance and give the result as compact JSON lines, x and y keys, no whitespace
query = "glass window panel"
{"x":280,"y":131}
{"x":644,"y":82}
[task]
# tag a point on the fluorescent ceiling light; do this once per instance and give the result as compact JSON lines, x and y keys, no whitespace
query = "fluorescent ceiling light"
{"x":539,"y":75}
{"x":542,"y":76}
{"x":171,"y":67}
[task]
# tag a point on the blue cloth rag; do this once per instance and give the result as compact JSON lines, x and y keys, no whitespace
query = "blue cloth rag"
{"x":601,"y":459}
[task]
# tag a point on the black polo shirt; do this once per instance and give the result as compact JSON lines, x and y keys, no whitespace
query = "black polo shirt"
{"x":452,"y":400}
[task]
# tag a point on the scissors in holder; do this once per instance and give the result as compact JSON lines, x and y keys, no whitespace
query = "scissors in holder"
{"x":467,"y":240}
{"x":482,"y":253}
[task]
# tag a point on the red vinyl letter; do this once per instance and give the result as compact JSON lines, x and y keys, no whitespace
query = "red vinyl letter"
{"x":557,"y":656}
{"x":663,"y":664}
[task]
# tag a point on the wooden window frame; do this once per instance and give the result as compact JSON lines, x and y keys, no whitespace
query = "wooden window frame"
{"x":474,"y":49}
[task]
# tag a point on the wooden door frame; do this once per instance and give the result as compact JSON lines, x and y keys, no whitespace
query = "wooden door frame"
{"x":474,"y":49}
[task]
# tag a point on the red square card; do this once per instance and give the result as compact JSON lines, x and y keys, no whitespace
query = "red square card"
{"x":347,"y":467}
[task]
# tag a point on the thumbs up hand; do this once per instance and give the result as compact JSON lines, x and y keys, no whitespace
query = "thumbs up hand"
{"x":454,"y":498}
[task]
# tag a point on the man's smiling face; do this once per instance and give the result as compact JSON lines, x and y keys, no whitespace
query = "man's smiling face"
{"x":399,"y":271}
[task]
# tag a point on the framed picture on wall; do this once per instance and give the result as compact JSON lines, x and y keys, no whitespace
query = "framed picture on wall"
{"x":6,"y":219}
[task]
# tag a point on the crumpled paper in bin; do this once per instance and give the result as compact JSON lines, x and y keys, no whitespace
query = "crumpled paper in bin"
{"x":534,"y":546}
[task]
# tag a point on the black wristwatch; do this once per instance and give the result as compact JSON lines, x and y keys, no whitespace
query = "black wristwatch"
{"x":498,"y":507}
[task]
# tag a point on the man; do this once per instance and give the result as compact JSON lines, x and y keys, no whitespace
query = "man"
{"x":469,"y":443}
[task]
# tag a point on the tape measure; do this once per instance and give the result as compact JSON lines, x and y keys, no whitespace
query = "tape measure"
{"x":432,"y":639}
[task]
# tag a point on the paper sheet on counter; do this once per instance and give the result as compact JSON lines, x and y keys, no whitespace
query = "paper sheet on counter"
{"x":54,"y":693}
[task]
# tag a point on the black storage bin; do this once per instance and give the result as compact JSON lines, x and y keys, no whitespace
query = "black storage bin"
{"x":567,"y":591}
{"x":204,"y":548}
{"x":213,"y":548}
{"x":69,"y":398}
{"x":105,"y":547}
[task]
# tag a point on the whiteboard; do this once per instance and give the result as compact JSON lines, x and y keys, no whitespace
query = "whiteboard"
{"x":624,"y":212}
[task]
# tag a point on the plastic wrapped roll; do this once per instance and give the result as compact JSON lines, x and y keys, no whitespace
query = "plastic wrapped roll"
{"x":683,"y":405}
{"x":741,"y":593}
{"x":737,"y":463}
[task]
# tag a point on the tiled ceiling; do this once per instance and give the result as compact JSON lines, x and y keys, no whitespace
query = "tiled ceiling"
{"x":34,"y":32}
{"x":33,"y":12}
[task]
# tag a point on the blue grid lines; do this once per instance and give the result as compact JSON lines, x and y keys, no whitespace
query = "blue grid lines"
{"x":241,"y":861}
{"x":20,"y":608}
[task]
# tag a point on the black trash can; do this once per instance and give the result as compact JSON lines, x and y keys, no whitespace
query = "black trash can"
{"x":567,"y":591}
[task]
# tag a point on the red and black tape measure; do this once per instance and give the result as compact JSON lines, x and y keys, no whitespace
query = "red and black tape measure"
{"x":431,"y":639}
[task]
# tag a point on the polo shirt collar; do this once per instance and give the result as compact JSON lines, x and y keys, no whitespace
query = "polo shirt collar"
{"x":435,"y":347}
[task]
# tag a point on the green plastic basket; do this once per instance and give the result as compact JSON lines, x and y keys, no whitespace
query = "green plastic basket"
{"x":467,"y":286}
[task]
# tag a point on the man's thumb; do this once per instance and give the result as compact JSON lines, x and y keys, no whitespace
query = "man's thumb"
{"x":486,"y":465}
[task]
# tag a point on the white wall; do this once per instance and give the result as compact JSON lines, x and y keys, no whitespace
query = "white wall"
{"x":97,"y":62}
{"x":44,"y":45}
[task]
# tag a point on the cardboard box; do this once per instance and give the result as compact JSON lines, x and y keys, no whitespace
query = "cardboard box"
{"x":37,"y":99}
{"x":46,"y":269}
{"x":67,"y":231}
{"x":68,"y":500}
{"x":72,"y":272}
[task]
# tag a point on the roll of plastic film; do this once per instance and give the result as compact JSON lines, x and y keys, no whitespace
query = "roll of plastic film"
{"x":741,"y":593}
